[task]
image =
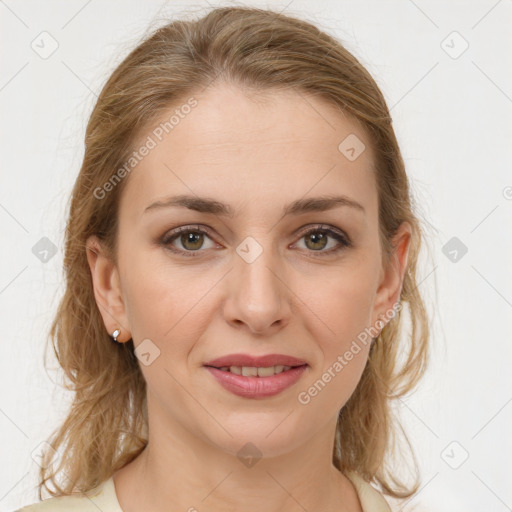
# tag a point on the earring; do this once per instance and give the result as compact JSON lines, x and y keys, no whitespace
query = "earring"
{"x":115,"y":334}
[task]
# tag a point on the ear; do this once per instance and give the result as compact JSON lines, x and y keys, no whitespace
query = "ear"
{"x":391,"y":277}
{"x":107,"y":289}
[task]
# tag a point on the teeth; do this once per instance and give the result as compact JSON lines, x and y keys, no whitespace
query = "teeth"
{"x":266,"y":372}
{"x":249,"y":371}
{"x":252,"y":371}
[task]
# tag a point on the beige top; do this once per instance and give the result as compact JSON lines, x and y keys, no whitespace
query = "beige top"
{"x":104,"y":499}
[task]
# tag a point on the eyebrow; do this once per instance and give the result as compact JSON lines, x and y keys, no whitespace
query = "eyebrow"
{"x":208,"y":205}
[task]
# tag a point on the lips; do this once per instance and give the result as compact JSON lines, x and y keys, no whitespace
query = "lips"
{"x":256,"y":376}
{"x":255,"y":361}
{"x":257,"y":387}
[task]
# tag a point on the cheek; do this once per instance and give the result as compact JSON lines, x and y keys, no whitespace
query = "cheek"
{"x":344,"y":309}
{"x":341,"y":308}
{"x":337,"y":315}
{"x":166,"y":303}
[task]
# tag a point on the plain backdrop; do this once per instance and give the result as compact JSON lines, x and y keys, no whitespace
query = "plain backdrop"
{"x":446,"y":72}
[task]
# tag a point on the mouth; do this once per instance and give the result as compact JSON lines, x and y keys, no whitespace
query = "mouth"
{"x":250,"y":361}
{"x":256,"y":378}
{"x":255,"y":371}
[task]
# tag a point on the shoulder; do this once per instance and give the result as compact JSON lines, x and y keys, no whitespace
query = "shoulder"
{"x":100,"y":498}
{"x":61,"y":503}
{"x":371,"y":499}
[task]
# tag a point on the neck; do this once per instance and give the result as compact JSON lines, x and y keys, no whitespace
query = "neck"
{"x":179,"y":471}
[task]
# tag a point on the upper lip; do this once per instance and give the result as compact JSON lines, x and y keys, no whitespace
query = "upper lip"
{"x":255,"y":361}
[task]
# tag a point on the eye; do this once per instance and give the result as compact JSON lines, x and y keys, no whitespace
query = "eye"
{"x":191,"y":239}
{"x":317,"y":239}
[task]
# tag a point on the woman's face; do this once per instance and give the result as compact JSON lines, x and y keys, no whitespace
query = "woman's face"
{"x":261,"y":267}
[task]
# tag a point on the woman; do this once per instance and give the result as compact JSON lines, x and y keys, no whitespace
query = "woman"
{"x":239,"y":249}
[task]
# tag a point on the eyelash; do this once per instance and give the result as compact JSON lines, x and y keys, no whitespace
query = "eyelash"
{"x":326,"y":230}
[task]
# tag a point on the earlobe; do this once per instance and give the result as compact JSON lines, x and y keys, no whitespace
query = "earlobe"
{"x":107,"y":291}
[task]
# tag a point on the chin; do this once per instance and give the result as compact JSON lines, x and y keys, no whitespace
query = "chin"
{"x":259,"y":436}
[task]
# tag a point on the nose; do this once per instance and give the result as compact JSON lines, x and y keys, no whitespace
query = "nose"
{"x":258,"y":297}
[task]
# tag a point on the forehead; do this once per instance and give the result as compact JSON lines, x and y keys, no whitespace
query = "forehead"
{"x":237,"y":146}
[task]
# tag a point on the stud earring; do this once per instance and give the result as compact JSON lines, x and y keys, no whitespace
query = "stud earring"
{"x":115,"y":334}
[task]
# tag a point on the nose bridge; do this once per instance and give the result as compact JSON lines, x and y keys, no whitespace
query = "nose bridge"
{"x":255,"y":260}
{"x":259,"y":296}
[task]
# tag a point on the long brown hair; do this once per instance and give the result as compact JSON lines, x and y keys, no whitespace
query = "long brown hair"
{"x":106,"y":426}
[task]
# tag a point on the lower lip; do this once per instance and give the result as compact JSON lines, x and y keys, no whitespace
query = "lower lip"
{"x":257,"y":387}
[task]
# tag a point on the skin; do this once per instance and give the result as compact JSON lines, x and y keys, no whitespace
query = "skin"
{"x":257,"y":154}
